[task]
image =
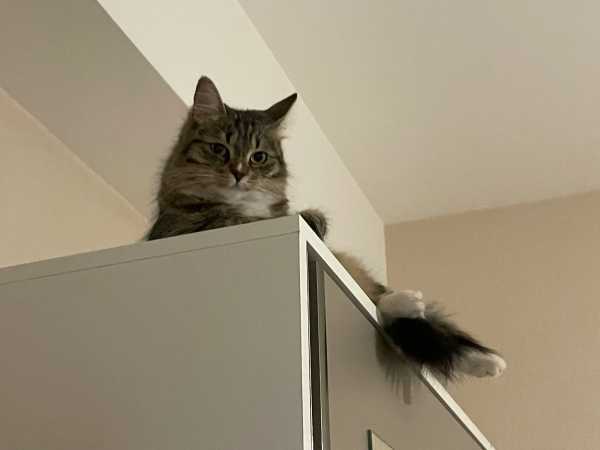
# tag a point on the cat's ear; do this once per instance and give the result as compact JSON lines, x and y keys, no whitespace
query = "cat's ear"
{"x":278,"y":111}
{"x":207,"y":101}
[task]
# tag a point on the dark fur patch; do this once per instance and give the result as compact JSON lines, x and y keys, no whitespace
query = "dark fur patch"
{"x":316,"y":220}
{"x":434,"y":342}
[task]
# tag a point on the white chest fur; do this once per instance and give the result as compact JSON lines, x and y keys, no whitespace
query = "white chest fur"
{"x":250,"y":203}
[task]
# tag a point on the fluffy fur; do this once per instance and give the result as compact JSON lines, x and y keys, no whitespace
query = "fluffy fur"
{"x":423,"y":333}
{"x":228,"y":168}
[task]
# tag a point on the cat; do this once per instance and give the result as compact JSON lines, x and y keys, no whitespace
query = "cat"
{"x":227,"y":167}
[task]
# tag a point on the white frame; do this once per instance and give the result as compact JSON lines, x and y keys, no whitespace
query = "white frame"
{"x":317,"y":250}
{"x":371,"y":437}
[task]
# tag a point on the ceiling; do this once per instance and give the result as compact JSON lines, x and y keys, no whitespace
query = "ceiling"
{"x":435,"y":107}
{"x":441,"y":107}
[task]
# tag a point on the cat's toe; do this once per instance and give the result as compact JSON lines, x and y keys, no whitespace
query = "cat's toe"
{"x":481,"y":364}
{"x":402,"y":304}
{"x":316,"y":220}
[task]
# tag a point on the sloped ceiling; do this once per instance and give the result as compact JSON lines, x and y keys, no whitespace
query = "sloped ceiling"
{"x":435,"y":107}
{"x":441,"y":107}
{"x":78,"y":74}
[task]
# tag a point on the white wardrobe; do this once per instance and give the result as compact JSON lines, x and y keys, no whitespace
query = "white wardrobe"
{"x":243,"y":338}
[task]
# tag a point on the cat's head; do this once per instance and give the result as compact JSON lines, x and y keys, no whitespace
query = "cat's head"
{"x":224,"y":152}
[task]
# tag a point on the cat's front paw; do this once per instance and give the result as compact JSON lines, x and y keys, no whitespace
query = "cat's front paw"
{"x":482,"y":364}
{"x":402,"y":304}
{"x":316,"y":220}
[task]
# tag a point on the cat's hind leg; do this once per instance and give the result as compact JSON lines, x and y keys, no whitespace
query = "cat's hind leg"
{"x":427,"y":337}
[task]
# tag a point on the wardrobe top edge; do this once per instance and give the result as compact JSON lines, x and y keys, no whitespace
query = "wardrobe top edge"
{"x":149,"y":249}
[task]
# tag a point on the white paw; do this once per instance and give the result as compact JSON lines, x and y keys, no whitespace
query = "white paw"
{"x":479,"y":364}
{"x":406,"y":304}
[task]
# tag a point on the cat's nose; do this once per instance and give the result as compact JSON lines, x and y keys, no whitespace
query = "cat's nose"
{"x":237,"y":174}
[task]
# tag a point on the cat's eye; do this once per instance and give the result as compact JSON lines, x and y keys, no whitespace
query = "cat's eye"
{"x":259,"y":157}
{"x":219,"y":150}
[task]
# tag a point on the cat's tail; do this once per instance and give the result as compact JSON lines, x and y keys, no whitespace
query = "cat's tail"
{"x":442,"y":347}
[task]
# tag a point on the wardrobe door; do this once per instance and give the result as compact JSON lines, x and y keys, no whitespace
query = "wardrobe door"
{"x":196,"y":349}
{"x":369,"y":388}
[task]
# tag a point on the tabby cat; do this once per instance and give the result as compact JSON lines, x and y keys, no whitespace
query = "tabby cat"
{"x":227,"y":168}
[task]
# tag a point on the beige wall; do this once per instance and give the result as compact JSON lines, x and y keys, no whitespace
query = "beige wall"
{"x":525,"y":279}
{"x":53,"y":205}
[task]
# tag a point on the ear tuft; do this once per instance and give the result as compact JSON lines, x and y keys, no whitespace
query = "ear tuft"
{"x":207,"y":101}
{"x":279,"y":110}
